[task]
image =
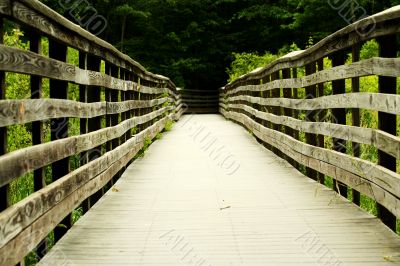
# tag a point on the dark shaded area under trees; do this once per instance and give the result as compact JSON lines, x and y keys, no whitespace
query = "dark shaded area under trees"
{"x":192,"y":41}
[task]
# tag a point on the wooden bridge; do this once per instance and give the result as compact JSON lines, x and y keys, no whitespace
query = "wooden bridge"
{"x":266,"y":171}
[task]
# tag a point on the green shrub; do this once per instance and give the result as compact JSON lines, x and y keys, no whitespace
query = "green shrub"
{"x":169,"y":125}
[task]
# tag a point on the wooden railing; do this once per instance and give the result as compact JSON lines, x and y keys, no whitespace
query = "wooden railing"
{"x":120,"y":107}
{"x":311,"y":116}
{"x":200,"y":101}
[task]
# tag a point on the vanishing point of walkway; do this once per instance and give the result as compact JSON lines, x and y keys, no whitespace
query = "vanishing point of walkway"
{"x":209,"y":194}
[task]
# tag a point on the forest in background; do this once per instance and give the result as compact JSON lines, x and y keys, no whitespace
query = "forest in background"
{"x":194,"y":41}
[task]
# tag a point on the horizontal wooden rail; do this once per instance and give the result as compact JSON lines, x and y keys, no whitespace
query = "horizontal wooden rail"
{"x":299,"y":106}
{"x":372,"y":101}
{"x":25,"y":62}
{"x":375,"y":181}
{"x":26,"y":111}
{"x":382,"y":140}
{"x":114,"y":103}
{"x":376,"y":66}
{"x":56,"y":200}
{"x":20,"y":162}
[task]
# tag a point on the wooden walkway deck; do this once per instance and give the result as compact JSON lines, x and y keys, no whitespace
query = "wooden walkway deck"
{"x":180,"y":205}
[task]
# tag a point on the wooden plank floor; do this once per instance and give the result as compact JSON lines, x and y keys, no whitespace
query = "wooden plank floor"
{"x":209,"y":194}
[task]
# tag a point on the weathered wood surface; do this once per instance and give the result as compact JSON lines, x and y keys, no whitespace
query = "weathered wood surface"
{"x":170,"y":204}
{"x":385,"y":182}
{"x":43,"y":210}
{"x":200,"y":101}
{"x":381,"y":102}
{"x":380,"y":139}
{"x":376,"y":66}
{"x":26,"y":62}
{"x":205,"y":100}
{"x":14,"y":112}
{"x":134,"y":97}
{"x":22,"y":161}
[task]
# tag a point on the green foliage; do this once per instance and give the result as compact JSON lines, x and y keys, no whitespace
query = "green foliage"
{"x":246,"y":62}
{"x":166,"y":104}
{"x":169,"y":125}
{"x":369,"y":50}
{"x":159,"y":136}
{"x":146,"y":144}
{"x":76,"y":215}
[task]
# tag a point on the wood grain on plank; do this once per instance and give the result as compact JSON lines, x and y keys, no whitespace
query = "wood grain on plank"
{"x":375,"y":66}
{"x":383,"y":178}
{"x":22,"y":161}
{"x":381,"y":102}
{"x":274,"y":211}
{"x":14,"y":112}
{"x":32,"y":234}
{"x":23,"y":215}
{"x":26,"y":62}
{"x":370,"y":136}
{"x":5,"y":7}
{"x":24,"y":111}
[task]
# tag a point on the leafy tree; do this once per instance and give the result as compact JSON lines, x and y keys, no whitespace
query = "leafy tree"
{"x":193,"y":42}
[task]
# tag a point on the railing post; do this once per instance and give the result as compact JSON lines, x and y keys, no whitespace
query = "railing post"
{"x":115,"y":117}
{"x":132,"y":111}
{"x":141,"y":111}
{"x":147,"y":98}
{"x":276,"y":93}
{"x":59,"y":128}
{"x":287,"y":93}
{"x":4,"y":190}
{"x":39,"y":178}
{"x":108,"y":93}
{"x":83,"y":122}
{"x":267,"y":94}
{"x":339,"y":116}
{"x":321,"y":116}
{"x":311,"y":93}
{"x":355,"y":85}
{"x":296,"y":133}
{"x":128,"y":97}
{"x":94,"y":124}
{"x":83,"y":98}
{"x":37,"y":127}
{"x":124,"y":115}
{"x":387,"y":122}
